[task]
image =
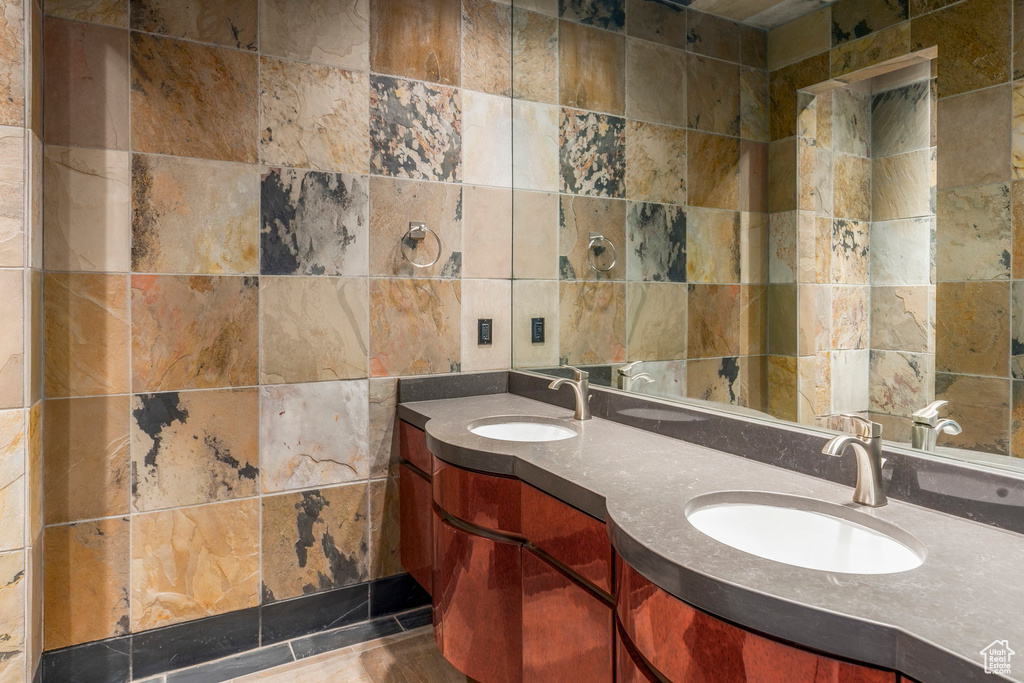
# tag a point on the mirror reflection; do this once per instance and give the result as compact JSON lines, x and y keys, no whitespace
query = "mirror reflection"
{"x":708,"y":211}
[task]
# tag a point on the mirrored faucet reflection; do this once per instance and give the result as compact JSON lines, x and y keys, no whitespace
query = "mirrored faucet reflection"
{"x":629,"y":379}
{"x":927,"y":426}
{"x":580,"y":384}
{"x":867,"y":447}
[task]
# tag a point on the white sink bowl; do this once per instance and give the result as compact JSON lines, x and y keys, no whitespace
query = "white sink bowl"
{"x":523,"y":428}
{"x":804,"y":532}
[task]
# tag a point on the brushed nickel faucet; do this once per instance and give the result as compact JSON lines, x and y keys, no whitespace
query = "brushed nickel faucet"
{"x":629,"y":379}
{"x":866,"y":442}
{"x":927,"y":426}
{"x":580,"y":384}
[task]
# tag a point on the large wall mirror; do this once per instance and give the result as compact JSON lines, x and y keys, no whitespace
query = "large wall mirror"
{"x":702,"y":215}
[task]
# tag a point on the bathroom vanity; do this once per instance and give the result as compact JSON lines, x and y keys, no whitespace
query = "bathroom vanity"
{"x":573,"y":560}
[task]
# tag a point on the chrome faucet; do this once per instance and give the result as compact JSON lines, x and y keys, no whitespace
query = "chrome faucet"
{"x":629,"y":379}
{"x":867,"y":446}
{"x":580,"y":384}
{"x":927,"y":426}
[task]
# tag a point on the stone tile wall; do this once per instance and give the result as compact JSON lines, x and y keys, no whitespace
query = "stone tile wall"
{"x":646,"y":124}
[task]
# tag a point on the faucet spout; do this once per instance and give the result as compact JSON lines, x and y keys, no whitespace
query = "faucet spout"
{"x":867,"y":448}
{"x":580,"y":387}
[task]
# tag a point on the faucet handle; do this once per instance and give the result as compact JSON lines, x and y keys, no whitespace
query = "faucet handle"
{"x":577,"y":374}
{"x":626,"y":369}
{"x":929,"y":415}
{"x":863,"y":427}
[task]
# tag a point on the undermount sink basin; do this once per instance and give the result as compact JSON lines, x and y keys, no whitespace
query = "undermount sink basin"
{"x":523,"y":428}
{"x":805,"y":532}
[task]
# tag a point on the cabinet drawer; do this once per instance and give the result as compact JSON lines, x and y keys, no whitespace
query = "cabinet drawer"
{"x":416,"y":525}
{"x":482,"y":499}
{"x":412,"y":446}
{"x":574,"y":538}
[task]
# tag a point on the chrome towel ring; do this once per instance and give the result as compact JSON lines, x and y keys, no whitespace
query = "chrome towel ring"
{"x":597,"y":238}
{"x":417,"y":232}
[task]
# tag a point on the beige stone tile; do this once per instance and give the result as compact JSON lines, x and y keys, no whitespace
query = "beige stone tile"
{"x":657,"y":22}
{"x":655,"y":163}
{"x":393,"y":204}
{"x":12,"y":216}
{"x":13,"y":443}
{"x":782,"y":87}
{"x":972,"y":327}
{"x":325,"y":668}
{"x":851,"y":121}
{"x":851,"y":317}
{"x":656,"y":85}
{"x":735,"y":381}
{"x":712,"y":246}
{"x":194,"y":216}
{"x":655,"y":321}
{"x":490,"y":299}
{"x":782,"y":171}
{"x":535,"y":234}
{"x":12,"y":342}
{"x":901,"y":186}
{"x":592,"y":322}
{"x":803,"y":37}
{"x":713,"y":95}
{"x":193,"y":332}
{"x":416,"y":39}
{"x":782,"y":320}
{"x":194,"y":562}
{"x":782,"y":247}
{"x":1017,"y":218}
{"x":875,"y":48}
{"x":534,"y":56}
{"x":782,"y":387}
{"x":34,"y":473}
{"x":314,"y":434}
{"x":713,"y":36}
{"x":415,"y":130}
{"x":852,"y":18}
{"x":850,"y":257}
{"x":414,"y":327}
{"x":173,"y":110}
{"x":813,"y":385}
{"x":973,"y":138}
{"x":383,"y":437}
{"x":85,"y":458}
{"x":13,"y":601}
{"x":314,"y":541}
{"x":753,"y":46}
{"x":314,"y":223}
{"x":656,"y":243}
{"x":1016,"y":329}
{"x":850,"y":376}
{"x":86,"y":88}
{"x":87,"y":209}
{"x":1017,"y":421}
{"x":486,"y":139}
{"x":981,"y":406}
{"x":974,"y":50}
{"x":487,"y":232}
{"x":107,"y":12}
{"x":85,"y":582}
{"x":193,"y":447}
{"x":754,"y":105}
{"x":902,"y":252}
{"x":901,"y":118}
{"x":548,"y":7}
{"x":851,"y":187}
{"x":973,"y":235}
{"x":713,"y":321}
{"x":487,"y":46}
{"x":753,"y":248}
{"x":231,"y":23}
{"x":314,"y":116}
{"x":592,"y":68}
{"x":1017,"y":136}
{"x":579,"y":254}
{"x":903,"y":318}
{"x":313,"y":328}
{"x":417,"y":657}
{"x":814,"y":320}
{"x":535,"y":163}
{"x":384,"y":530}
{"x":85,"y":334}
{"x":534,"y":299}
{"x":321,"y":31}
{"x":815,"y":178}
{"x":753,"y":320}
{"x":713,"y":171}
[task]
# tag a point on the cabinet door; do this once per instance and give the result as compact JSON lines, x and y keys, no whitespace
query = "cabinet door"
{"x":478,"y":588}
{"x":412,"y":446}
{"x":628,"y":669}
{"x":415,"y":516}
{"x":567,"y":630}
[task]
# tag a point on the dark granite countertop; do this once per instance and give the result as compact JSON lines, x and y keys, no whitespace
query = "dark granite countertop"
{"x":930,"y":623}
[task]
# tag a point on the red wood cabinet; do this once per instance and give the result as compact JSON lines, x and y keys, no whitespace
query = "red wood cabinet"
{"x":478,"y":586}
{"x":483,"y":500}
{"x":686,"y":645}
{"x":412,"y":447}
{"x":416,"y":534}
{"x":574,"y":538}
{"x":628,"y":666}
{"x":567,"y":629}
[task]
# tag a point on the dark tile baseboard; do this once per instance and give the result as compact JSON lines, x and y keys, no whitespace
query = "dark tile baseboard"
{"x":148,"y":653}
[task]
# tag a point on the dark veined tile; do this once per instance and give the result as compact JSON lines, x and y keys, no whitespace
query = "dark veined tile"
{"x":321,"y":612}
{"x":592,"y":154}
{"x":343,"y":637}
{"x":396,"y":594}
{"x":105,"y":661}
{"x":416,"y":618}
{"x":606,"y":14}
{"x":195,"y":642}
